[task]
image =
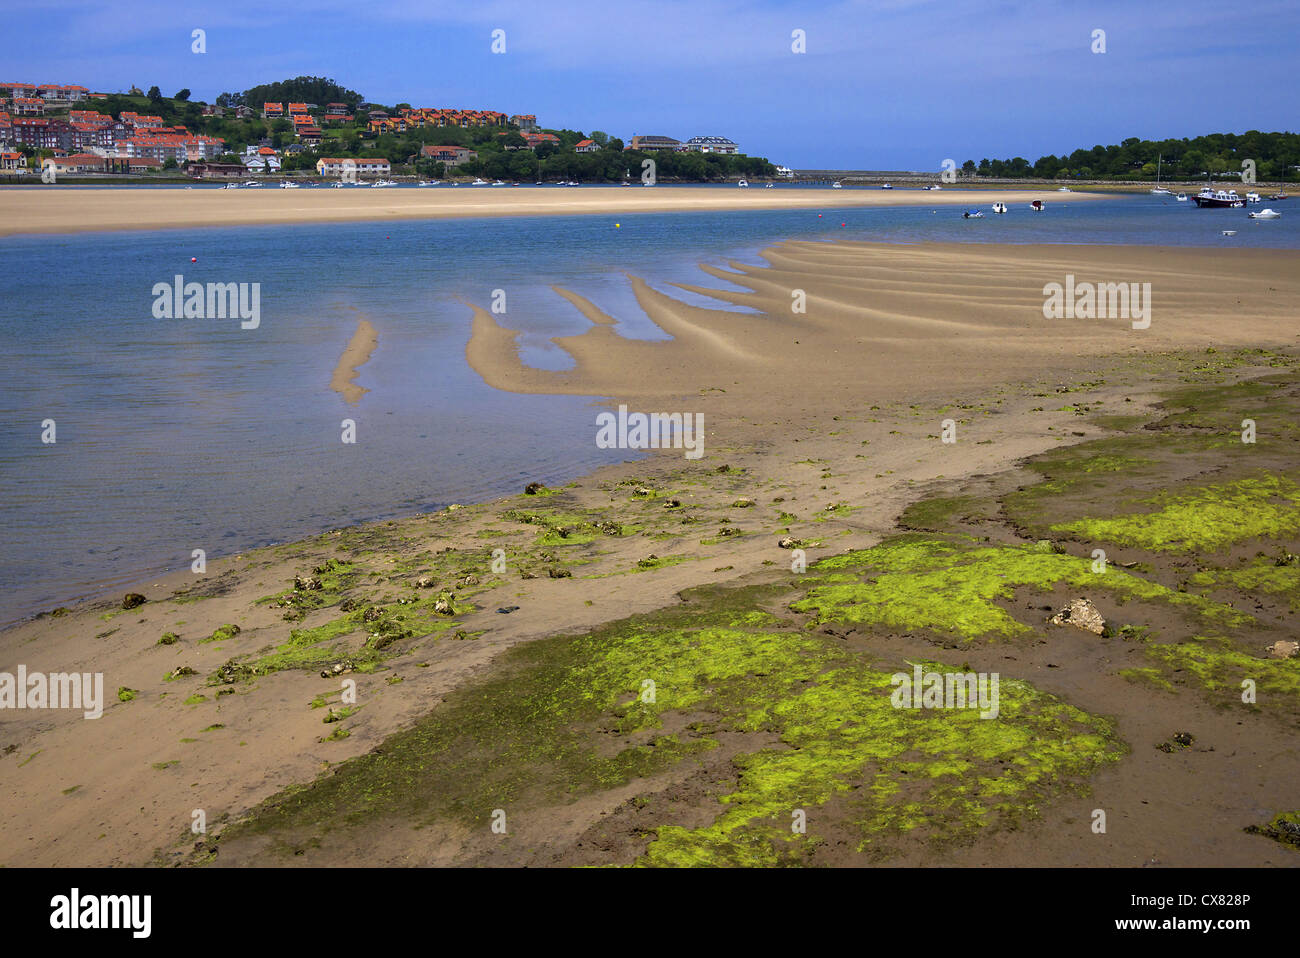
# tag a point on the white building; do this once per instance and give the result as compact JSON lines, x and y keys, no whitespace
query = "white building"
{"x":712,"y":144}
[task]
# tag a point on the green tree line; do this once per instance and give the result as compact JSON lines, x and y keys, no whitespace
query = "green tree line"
{"x":1276,"y":156}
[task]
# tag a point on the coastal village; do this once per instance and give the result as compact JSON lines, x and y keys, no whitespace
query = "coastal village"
{"x":53,"y":130}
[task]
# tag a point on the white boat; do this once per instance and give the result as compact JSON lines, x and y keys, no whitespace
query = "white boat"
{"x":1161,"y":191}
{"x":972,"y":215}
{"x":1181,"y":197}
{"x":1254,"y":198}
{"x":231,"y":186}
{"x":932,"y":186}
{"x":499,"y":183}
{"x":251,"y":183}
{"x":286,"y":185}
{"x":743,"y":184}
{"x":1063,"y":189}
{"x":338,"y":186}
{"x":768,"y":186}
{"x":1229,"y":232}
{"x":1036,"y":206}
{"x":479,"y":181}
{"x":837,"y":185}
{"x":885,"y":186}
{"x":1268,"y":214}
{"x":999,"y":207}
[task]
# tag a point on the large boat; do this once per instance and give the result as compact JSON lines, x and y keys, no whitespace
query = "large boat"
{"x":1218,"y":199}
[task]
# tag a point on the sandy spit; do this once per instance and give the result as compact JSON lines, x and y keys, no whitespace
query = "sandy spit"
{"x":355,"y":355}
{"x":75,"y":210}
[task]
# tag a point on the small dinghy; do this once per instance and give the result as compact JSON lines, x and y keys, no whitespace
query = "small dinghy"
{"x":972,"y":215}
{"x":1181,"y":197}
{"x":1229,"y":232}
{"x":1036,"y":206}
{"x":999,"y":207}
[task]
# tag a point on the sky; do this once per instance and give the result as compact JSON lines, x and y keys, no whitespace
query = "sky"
{"x":888,"y":85}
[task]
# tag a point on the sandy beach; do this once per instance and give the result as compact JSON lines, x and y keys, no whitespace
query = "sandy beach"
{"x":822,"y":428}
{"x":75,"y":210}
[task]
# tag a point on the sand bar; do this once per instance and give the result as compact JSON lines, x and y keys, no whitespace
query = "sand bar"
{"x":355,"y":355}
{"x":75,"y":210}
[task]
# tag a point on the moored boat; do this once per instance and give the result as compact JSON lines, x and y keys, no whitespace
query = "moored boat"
{"x":1218,"y":199}
{"x":1265,"y":214}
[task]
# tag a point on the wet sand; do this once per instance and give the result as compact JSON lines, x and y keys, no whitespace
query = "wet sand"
{"x":79,"y":209}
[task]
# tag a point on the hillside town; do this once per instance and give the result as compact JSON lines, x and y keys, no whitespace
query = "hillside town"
{"x":70,"y":130}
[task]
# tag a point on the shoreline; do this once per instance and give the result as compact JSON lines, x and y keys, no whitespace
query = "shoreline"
{"x":56,"y":212}
{"x":820,"y":426}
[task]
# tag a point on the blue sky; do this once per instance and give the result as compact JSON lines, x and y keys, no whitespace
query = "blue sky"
{"x":892,"y":84}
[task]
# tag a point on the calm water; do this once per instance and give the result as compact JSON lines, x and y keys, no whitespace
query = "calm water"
{"x":182,"y":434}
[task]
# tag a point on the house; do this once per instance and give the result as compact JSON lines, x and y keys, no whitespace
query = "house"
{"x":216,"y":169}
{"x":211,"y":109}
{"x":534,"y":140}
{"x":270,"y":110}
{"x":448,"y":155}
{"x":297,"y":109}
{"x":12,"y":162}
{"x":650,"y":143}
{"x":336,"y":109}
{"x":586,"y":146}
{"x":525,"y":121}
{"x":261,"y":164}
{"x":336,"y":166}
{"x":76,"y":163}
{"x":244,"y":112}
{"x":28,"y":106}
{"x":712,"y":144}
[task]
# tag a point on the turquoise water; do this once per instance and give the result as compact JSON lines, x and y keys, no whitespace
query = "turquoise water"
{"x":174,"y":435}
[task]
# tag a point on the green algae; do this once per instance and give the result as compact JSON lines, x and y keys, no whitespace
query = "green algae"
{"x":1284,"y":829}
{"x":571,"y":715}
{"x":1220,"y":668}
{"x":951,"y":586}
{"x":1208,"y":519}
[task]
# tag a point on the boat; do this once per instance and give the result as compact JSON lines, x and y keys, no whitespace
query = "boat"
{"x":251,"y":183}
{"x":972,"y":215}
{"x":1160,"y":190}
{"x":768,"y":186}
{"x":1036,"y":206}
{"x":1181,"y":197}
{"x":837,"y":185}
{"x":1064,"y":189}
{"x":1265,"y":214}
{"x":338,"y":186}
{"x":231,"y":186}
{"x":999,"y":207}
{"x":1229,"y":232}
{"x":1277,"y":196}
{"x":1254,"y":198}
{"x":499,"y":183}
{"x":1218,"y":199}
{"x":743,"y":184}
{"x":286,"y":185}
{"x":885,"y":186}
{"x":932,"y":186}
{"x":479,"y":181}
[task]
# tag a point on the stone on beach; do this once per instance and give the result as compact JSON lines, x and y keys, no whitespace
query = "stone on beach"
{"x":1081,"y":614}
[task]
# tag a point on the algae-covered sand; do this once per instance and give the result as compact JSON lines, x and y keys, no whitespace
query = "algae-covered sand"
{"x":751,"y":723}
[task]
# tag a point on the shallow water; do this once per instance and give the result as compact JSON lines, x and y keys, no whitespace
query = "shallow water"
{"x":174,"y":435}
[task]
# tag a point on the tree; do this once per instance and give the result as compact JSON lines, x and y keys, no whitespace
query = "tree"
{"x":600,"y":138}
{"x":170,"y":163}
{"x":968,"y":167}
{"x":154,"y":94}
{"x":182,"y":95}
